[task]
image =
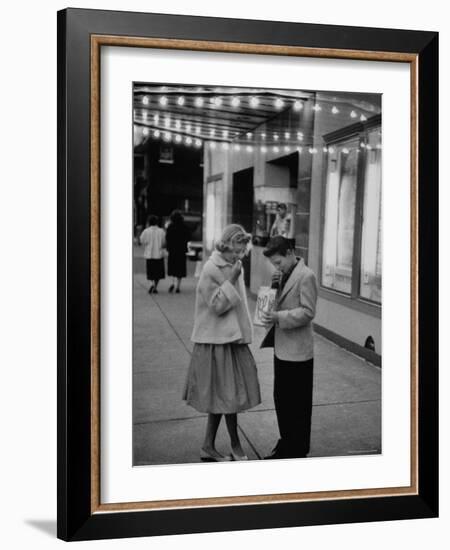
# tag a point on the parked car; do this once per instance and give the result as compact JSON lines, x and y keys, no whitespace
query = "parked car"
{"x":195,"y":251}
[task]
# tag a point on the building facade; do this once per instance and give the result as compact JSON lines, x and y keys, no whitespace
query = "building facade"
{"x":324,"y":163}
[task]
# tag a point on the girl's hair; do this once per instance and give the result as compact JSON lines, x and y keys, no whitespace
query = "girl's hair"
{"x":231,"y":235}
{"x":176,"y":217}
{"x":152,"y":220}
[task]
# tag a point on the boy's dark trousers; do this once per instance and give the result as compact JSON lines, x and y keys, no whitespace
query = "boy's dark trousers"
{"x":292,"y":392}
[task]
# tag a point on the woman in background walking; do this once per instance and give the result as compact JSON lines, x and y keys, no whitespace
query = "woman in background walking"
{"x":177,"y":237}
{"x":222,"y":377}
{"x":153,"y":238}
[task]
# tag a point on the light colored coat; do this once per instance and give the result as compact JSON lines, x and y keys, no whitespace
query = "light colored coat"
{"x":292,"y":336}
{"x":221,"y":309}
{"x":153,"y":238}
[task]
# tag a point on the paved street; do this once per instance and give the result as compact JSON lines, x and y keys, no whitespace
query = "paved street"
{"x":347,"y":390}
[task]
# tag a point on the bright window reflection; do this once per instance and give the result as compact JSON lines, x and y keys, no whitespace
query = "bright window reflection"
{"x":214,"y":221}
{"x":340,"y":216}
{"x":370,"y":287}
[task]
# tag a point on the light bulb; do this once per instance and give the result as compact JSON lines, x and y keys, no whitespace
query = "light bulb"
{"x":254,"y":102}
{"x":163,"y":100}
{"x":180,"y":101}
{"x":279,"y":103}
{"x":298,"y":105}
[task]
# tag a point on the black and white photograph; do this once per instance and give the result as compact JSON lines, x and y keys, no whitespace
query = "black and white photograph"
{"x":233,"y":332}
{"x":257,"y":273}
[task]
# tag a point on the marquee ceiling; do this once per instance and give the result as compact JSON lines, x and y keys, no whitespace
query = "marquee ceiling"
{"x":225,"y":115}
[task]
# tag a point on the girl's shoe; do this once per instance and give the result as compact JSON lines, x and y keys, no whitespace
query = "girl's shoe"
{"x":151,"y":289}
{"x":235,"y":456}
{"x":177,"y":291}
{"x":171,"y":287}
{"x":207,"y":457}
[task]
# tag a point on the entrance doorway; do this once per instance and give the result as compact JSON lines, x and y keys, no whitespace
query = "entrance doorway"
{"x":242,"y":208}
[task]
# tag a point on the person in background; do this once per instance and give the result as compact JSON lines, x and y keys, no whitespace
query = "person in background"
{"x":153,"y":239}
{"x":222,"y":377}
{"x":282,"y":224}
{"x":177,"y":237}
{"x":291,"y":335}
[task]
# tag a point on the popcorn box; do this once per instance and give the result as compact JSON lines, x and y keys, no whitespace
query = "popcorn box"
{"x":265,"y":302}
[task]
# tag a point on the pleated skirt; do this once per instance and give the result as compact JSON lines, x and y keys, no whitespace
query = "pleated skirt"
{"x":222,"y":379}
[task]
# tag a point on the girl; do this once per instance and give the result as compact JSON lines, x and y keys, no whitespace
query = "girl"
{"x":153,"y":239}
{"x":222,"y":377}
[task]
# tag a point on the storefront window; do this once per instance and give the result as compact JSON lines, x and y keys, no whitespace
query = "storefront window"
{"x":351,"y":259}
{"x":370,"y":286}
{"x":340,"y":216}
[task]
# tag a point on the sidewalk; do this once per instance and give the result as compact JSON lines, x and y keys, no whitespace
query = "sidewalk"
{"x":347,"y":391}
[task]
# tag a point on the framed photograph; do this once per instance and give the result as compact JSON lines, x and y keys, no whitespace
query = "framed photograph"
{"x":247,"y":286}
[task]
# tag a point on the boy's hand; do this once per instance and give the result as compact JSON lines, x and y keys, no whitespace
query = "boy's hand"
{"x":269,"y":318}
{"x":276,"y":277}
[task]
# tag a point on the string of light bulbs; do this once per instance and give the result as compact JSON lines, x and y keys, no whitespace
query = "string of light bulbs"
{"x":252,"y":101}
{"x":169,"y":137}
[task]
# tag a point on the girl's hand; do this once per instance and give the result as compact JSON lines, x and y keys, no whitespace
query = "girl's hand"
{"x":235,"y":271}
